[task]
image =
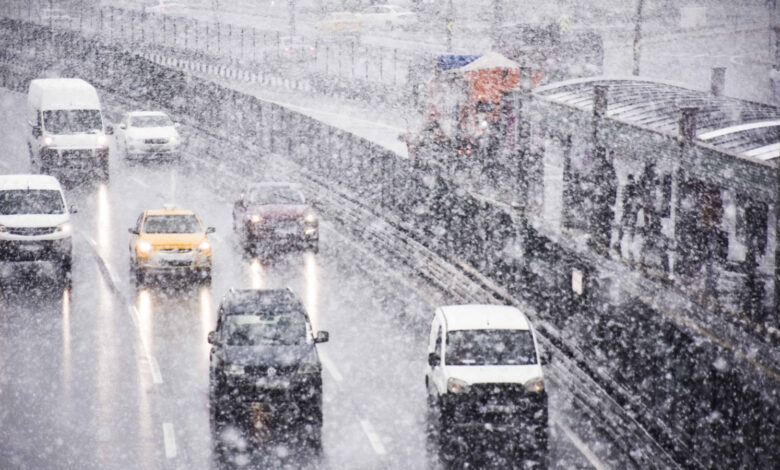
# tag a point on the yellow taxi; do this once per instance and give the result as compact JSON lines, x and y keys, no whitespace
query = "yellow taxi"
{"x":170,"y":241}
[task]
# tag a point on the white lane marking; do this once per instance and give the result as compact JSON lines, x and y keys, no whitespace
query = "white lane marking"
{"x":139,"y":181}
{"x":373,"y":438}
{"x":169,"y":440}
{"x":330,"y":366}
{"x":584,"y":450}
{"x":155,"y":368}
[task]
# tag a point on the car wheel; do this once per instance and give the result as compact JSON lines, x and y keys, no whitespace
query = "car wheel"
{"x":140,"y":278}
{"x":66,"y":273}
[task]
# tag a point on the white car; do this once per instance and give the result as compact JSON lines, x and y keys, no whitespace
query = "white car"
{"x":484,"y":378}
{"x":148,"y":135}
{"x":388,"y":16}
{"x":35,"y":223}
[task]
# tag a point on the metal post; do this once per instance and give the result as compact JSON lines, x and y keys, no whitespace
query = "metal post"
{"x":638,"y":36}
{"x":175,"y":36}
{"x":292,"y":17}
{"x":450,"y":20}
{"x":218,"y":35}
{"x":718,"y":81}
{"x":242,"y":42}
{"x":395,"y":64}
{"x":777,"y":243}
{"x":352,"y":45}
{"x":254,"y":45}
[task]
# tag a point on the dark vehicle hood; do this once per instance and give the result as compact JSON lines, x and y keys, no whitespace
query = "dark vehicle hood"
{"x":270,"y":355}
{"x":280,"y":211}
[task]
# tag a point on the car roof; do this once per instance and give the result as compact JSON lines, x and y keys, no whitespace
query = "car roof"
{"x":29,"y":182}
{"x":267,"y":297}
{"x":484,"y":317}
{"x":146,"y":113}
{"x":170,"y":212}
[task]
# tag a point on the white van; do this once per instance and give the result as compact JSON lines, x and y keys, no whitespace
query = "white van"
{"x":67,"y":134}
{"x":35,"y":222}
{"x":485,"y":381}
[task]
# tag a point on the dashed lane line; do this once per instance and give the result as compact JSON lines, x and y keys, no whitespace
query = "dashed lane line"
{"x":581,"y":446}
{"x":155,"y":368}
{"x":139,"y":181}
{"x":169,"y":440}
{"x":132,"y":311}
{"x":330,"y":366}
{"x":373,"y":437}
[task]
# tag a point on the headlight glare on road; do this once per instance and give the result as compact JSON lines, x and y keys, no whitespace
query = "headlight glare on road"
{"x":65,"y":227}
{"x":457,"y":386}
{"x":534,"y":385}
{"x":144,"y":247}
{"x":204,"y":245}
{"x":256,"y":219}
{"x":235,"y":369}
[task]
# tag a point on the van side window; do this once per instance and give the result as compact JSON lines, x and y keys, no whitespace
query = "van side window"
{"x":437,"y":348}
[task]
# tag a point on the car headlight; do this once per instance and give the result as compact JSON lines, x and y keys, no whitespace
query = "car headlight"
{"x":65,"y":227}
{"x":457,"y":386}
{"x":234,"y":369}
{"x":143,"y":246}
{"x":308,"y":368}
{"x":204,"y":245}
{"x":102,"y":140}
{"x":47,"y":141}
{"x":534,"y":385}
{"x":256,"y":219}
{"x":310,"y":218}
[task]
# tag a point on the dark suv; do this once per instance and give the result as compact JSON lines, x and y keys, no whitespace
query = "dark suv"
{"x":264,"y":363}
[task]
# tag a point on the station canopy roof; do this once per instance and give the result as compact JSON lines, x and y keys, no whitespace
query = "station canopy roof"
{"x":747,"y":128}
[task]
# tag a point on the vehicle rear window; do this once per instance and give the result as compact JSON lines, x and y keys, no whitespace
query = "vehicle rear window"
{"x":490,"y":347}
{"x":73,"y":121}
{"x":275,"y":195}
{"x":250,"y":330}
{"x":31,"y":201}
{"x":172,"y":224}
{"x":150,"y":121}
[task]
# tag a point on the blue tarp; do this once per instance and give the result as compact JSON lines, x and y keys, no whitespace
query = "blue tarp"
{"x":450,"y":61}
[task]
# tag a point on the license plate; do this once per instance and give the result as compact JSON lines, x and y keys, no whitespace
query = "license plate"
{"x":31,"y":248}
{"x":272,"y":382}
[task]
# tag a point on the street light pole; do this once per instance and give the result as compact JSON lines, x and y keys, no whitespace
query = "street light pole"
{"x":449,"y":24}
{"x":638,"y":36}
{"x":292,"y":17}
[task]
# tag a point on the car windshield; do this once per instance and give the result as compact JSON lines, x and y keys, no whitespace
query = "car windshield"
{"x":275,"y":195}
{"x":490,"y":347}
{"x":265,"y":328}
{"x":150,"y":121}
{"x":72,"y":121}
{"x":185,"y":223}
{"x":31,"y":201}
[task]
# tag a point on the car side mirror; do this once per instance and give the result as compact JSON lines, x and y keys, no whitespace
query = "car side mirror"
{"x":210,"y":230}
{"x":544,"y":358}
{"x":433,"y":359}
{"x":123,"y":126}
{"x":36,"y":131}
{"x":133,"y":231}
{"x":73,"y":209}
{"x":322,"y":337}
{"x":109,"y":130}
{"x":212,"y":338}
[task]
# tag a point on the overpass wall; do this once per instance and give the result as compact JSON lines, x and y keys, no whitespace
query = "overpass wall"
{"x":681,"y":369}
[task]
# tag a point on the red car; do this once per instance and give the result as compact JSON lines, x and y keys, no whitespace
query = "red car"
{"x":275,"y":215}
